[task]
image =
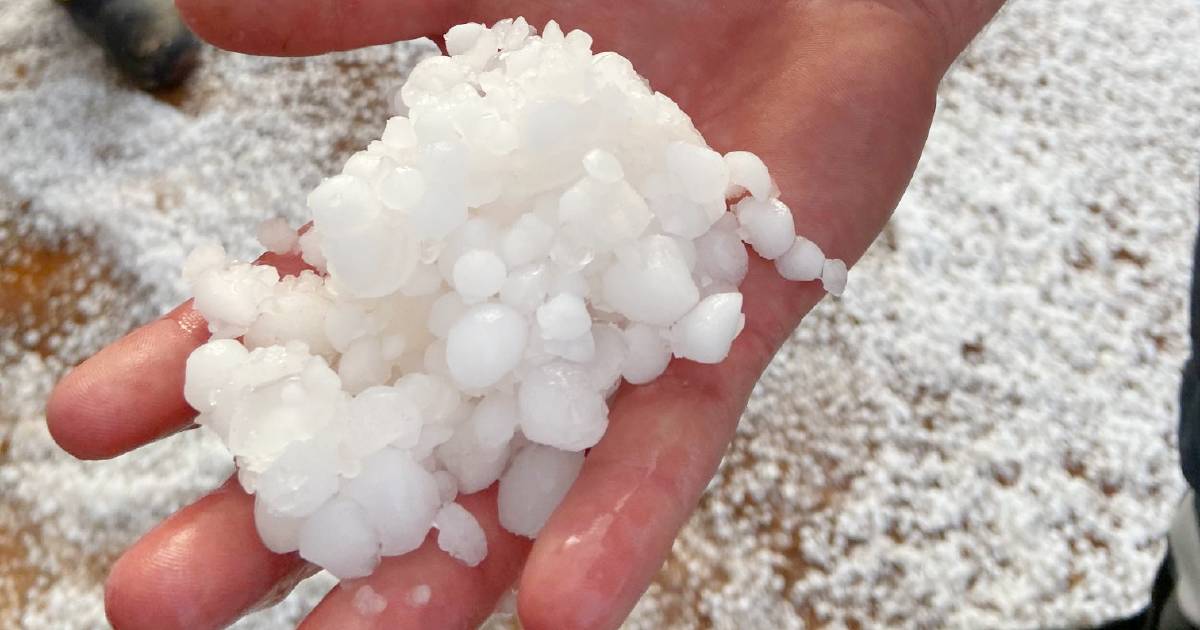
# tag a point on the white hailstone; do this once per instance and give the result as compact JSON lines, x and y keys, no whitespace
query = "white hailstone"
{"x":564,"y":316}
{"x":525,"y":288}
{"x":475,"y":464}
{"x":494,"y":420}
{"x":705,"y":334}
{"x":295,"y":310}
{"x":339,"y":538}
{"x":460,"y":535}
{"x":343,"y":204}
{"x":604,"y":368}
{"x":560,"y":408}
{"x":600,"y":215}
{"x":400,"y":499}
{"x":310,"y":250}
{"x":747,"y":172}
{"x":767,"y":226}
{"x":699,"y":171}
{"x":537,"y":225}
{"x":380,"y":416}
{"x":301,"y":479}
{"x":275,"y":235}
{"x":420,"y":595}
{"x":528,"y":239}
{"x":363,"y":165}
{"x":229,"y":298}
{"x":802,"y":262}
{"x":208,"y":369}
{"x":533,"y":486}
{"x":650,"y":282}
{"x":479,"y":274}
{"x":399,"y":134}
{"x":280,"y":534}
{"x":447,"y":486}
{"x":436,"y":398}
{"x":603,"y":166}
{"x":280,"y":395}
{"x":367,"y":602}
{"x":485,"y":344}
{"x":649,"y":354}
{"x":721,"y":254}
{"x":401,"y":188}
{"x":372,"y":262}
{"x":362,"y":365}
{"x":833,"y":277}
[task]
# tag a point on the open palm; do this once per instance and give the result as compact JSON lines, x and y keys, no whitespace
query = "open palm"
{"x":835,"y":95}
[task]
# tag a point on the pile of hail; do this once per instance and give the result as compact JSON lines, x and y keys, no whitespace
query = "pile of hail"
{"x":538,"y":228}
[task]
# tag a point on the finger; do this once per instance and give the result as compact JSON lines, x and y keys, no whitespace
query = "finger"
{"x":843,"y":153}
{"x":131,"y":392}
{"x":202,"y":568}
{"x":459,"y":596}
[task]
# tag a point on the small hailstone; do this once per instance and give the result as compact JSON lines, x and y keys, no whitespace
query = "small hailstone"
{"x":603,"y":165}
{"x":207,"y":369}
{"x":700,"y":171}
{"x":565,"y":316}
{"x":485,"y":344}
{"x":276,"y":236}
{"x":651,"y":283}
{"x":400,"y":499}
{"x":527,"y":240}
{"x":649,"y":354}
{"x":705,"y":334}
{"x":833,"y":277}
{"x":280,"y":534}
{"x":525,"y":288}
{"x":460,"y":535}
{"x":478,"y":274}
{"x":560,"y":408}
{"x":301,"y":479}
{"x":399,"y":134}
{"x":533,"y":486}
{"x":767,"y":226}
{"x":747,"y":171}
{"x":495,"y":419}
{"x":367,"y":602}
{"x":721,"y":255}
{"x":401,"y":188}
{"x":420,"y":595}
{"x":310,"y":249}
{"x":340,"y":539}
{"x":447,"y":486}
{"x":803,"y":261}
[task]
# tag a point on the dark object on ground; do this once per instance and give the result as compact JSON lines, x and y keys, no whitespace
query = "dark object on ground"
{"x":146,"y":39}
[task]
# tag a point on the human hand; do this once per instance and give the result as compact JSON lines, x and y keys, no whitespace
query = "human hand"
{"x":836,"y":96}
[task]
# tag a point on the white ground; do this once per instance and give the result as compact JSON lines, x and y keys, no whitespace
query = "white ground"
{"x":981,"y":435}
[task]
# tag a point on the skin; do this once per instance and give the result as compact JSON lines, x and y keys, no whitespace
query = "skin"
{"x":836,"y":96}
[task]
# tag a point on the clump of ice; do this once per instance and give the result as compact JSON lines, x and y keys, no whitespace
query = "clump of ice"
{"x":540,"y":226}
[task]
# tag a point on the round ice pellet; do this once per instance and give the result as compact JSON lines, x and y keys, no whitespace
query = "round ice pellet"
{"x":485,"y":344}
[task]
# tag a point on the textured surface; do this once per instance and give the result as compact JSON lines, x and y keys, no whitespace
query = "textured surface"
{"x":980,"y":435}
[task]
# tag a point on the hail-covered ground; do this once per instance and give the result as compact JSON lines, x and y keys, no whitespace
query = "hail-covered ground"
{"x":979,"y":435}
